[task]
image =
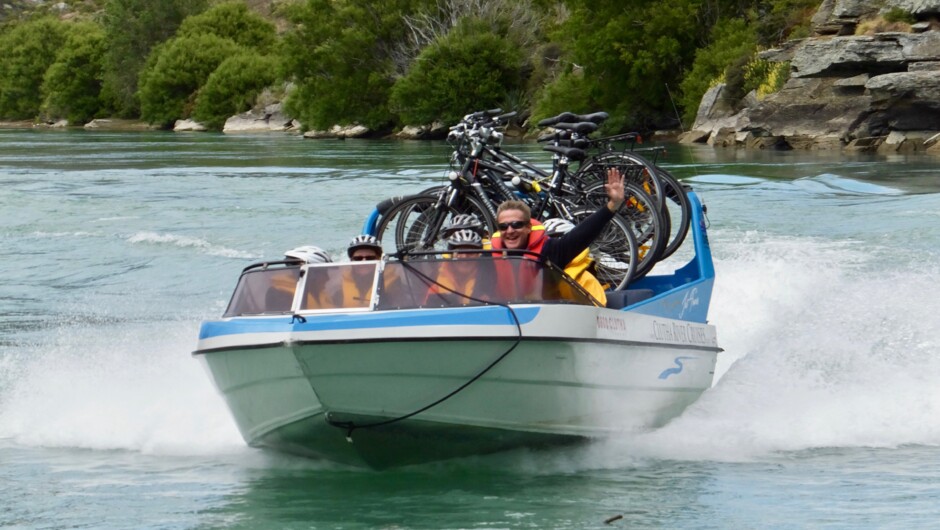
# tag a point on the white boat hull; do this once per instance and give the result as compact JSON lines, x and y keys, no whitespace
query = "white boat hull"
{"x":307,"y":391}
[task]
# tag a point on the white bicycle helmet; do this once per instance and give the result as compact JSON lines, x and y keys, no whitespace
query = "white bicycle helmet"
{"x":463,"y":221}
{"x":465,"y":238}
{"x":364,"y":241}
{"x":309,"y":254}
{"x":557,"y":226}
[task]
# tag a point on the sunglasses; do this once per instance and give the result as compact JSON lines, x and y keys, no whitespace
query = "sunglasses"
{"x":364,"y":258}
{"x":516,"y":225}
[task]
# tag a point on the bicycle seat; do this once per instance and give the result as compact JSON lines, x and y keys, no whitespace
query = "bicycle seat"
{"x":572,"y":153}
{"x":583,"y":127}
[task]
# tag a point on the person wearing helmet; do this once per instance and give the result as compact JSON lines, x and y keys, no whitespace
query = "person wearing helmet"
{"x":280,"y":294}
{"x":456,"y":282}
{"x":352,"y":284}
{"x":464,"y":221}
{"x":308,"y":254}
{"x":578,"y":268}
{"x":364,"y":247}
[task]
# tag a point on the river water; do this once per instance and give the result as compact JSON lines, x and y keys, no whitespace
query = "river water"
{"x":825,"y":412}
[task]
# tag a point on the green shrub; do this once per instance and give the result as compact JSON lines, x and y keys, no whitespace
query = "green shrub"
{"x":132,"y":29}
{"x":733,"y":41}
{"x":469,"y":69}
{"x":27,"y":52}
{"x":568,"y":93}
{"x":233,"y":87}
{"x":340,"y":55}
{"x":174,"y":73}
{"x":232,"y":20}
{"x":897,"y":14}
{"x":72,"y":85}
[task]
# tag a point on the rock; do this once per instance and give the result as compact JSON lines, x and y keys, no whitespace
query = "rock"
{"x":933,"y":140}
{"x":924,"y":66}
{"x":340,"y":131}
{"x":188,"y":126}
{"x":112,"y":124}
{"x":269,"y":119}
{"x":870,"y":143}
{"x":694,"y":137}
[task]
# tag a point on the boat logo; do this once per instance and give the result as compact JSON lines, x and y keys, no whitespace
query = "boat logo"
{"x":676,"y":369}
{"x":689,"y":300}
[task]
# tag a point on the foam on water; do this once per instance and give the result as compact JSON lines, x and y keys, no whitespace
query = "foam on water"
{"x":188,"y":242}
{"x":130,"y":387}
{"x":825,"y":346}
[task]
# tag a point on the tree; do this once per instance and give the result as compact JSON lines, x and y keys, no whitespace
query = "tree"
{"x":28,"y":51}
{"x":132,"y":29}
{"x":470,"y":68}
{"x":72,"y":85}
{"x":339,"y":54}
{"x":629,"y":52}
{"x":232,"y":20}
{"x":174,"y":73}
{"x":233,"y":87}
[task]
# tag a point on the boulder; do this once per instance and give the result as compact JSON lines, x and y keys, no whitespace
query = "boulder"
{"x":188,"y":126}
{"x":269,"y":119}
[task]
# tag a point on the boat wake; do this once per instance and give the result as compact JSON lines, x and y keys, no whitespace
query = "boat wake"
{"x":826,"y":346}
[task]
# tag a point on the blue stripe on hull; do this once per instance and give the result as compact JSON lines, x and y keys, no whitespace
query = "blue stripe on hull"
{"x":467,"y":316}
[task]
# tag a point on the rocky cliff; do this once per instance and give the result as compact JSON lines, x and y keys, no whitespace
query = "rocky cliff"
{"x":877,"y":91}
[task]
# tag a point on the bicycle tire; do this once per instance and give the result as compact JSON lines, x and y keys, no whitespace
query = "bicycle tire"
{"x":635,"y":168}
{"x":678,"y":208}
{"x":417,"y":219}
{"x":645,"y":219}
{"x":614,"y":251}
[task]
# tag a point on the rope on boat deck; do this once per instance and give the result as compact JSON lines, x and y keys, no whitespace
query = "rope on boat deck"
{"x":351,"y":426}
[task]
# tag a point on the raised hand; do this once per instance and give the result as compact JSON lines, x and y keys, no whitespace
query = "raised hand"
{"x":614,"y":189}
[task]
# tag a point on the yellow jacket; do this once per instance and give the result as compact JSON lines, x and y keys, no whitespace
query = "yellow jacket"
{"x":578,"y":269}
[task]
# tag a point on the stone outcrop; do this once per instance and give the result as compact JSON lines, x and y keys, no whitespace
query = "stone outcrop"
{"x":269,"y":119}
{"x":341,"y":132}
{"x":858,"y":92}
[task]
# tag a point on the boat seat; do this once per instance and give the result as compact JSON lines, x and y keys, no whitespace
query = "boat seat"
{"x":628,"y":297}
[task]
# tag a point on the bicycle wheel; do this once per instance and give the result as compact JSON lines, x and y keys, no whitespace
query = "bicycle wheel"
{"x":414,"y":225}
{"x":635,"y":168}
{"x":643,"y":217}
{"x":677,"y":208}
{"x":614,"y":252}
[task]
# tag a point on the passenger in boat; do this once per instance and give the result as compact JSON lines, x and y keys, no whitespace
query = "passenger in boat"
{"x":355,"y":285}
{"x":466,"y":221}
{"x":580,"y":268}
{"x":283,"y":284}
{"x":518,"y":231}
{"x":456,"y":282}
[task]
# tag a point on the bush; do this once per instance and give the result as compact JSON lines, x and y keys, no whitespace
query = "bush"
{"x":733,"y":41}
{"x":28,"y":51}
{"x":232,"y":20}
{"x":469,"y":69}
{"x":568,"y":93}
{"x":233,"y":87}
{"x":71,"y":88}
{"x":174,"y":73}
{"x":340,"y":56}
{"x":132,"y":29}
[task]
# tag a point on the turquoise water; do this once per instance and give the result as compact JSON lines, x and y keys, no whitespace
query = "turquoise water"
{"x":113,"y":247}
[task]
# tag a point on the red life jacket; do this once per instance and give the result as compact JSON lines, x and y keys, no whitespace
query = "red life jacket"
{"x":537,"y":239}
{"x":514,"y":284}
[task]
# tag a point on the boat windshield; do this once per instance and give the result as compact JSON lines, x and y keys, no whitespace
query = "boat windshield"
{"x":426,"y":281}
{"x":466,"y":281}
{"x":265,"y":288}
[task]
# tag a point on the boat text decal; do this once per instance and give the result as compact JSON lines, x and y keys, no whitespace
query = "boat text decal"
{"x":682,"y":332}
